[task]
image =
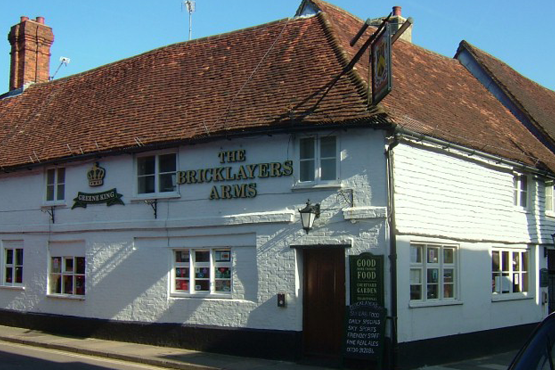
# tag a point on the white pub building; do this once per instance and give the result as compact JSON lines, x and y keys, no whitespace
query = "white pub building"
{"x":156,"y":199}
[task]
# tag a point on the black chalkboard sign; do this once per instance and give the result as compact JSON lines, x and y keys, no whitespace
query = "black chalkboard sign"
{"x":364,"y":332}
{"x":367,"y":278}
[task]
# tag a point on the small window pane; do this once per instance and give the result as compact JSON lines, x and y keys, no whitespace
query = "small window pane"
{"x":9,"y":256}
{"x":433,"y":276}
{"x":181,"y":256}
{"x":223,"y":286}
{"x":80,"y":261}
{"x":504,"y":261}
{"x":9,"y":274}
{"x":415,"y":292}
{"x":60,"y":191}
{"x":146,"y":184}
{"x":50,"y":192}
{"x":328,"y":169}
{"x":19,"y":256}
{"x":524,"y":261}
{"x":56,"y":265}
{"x":433,"y":255}
{"x":223,"y":273}
{"x":223,"y":256}
{"x":307,"y":148}
{"x":202,"y":285}
{"x":50,"y":176}
{"x":516,"y":261}
{"x":202,"y":273}
{"x":432,"y":291}
{"x":202,"y":256}
{"x":145,"y":166}
{"x":167,"y":163}
{"x":448,"y":275}
{"x":61,"y":175}
{"x":167,"y":182}
{"x":307,"y":170}
{"x":80,"y":285}
{"x":448,"y":255}
{"x":68,"y":264}
{"x":68,"y":284}
{"x":19,"y":275}
{"x":495,"y":266}
{"x":448,"y":291}
{"x":416,"y":254}
{"x":327,"y":147}
{"x":415,"y":276}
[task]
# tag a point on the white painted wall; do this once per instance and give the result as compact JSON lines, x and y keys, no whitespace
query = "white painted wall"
{"x":129,"y":252}
{"x":444,"y":197}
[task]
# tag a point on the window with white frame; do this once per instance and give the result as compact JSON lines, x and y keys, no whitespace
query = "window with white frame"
{"x":549,"y":199}
{"x":202,"y":271}
{"x":156,"y":173}
{"x":67,"y":275}
{"x":12,"y":266}
{"x":318,"y":159}
{"x":433,"y":272}
{"x":509,"y":271}
{"x":55,"y":184}
{"x":520,"y":187}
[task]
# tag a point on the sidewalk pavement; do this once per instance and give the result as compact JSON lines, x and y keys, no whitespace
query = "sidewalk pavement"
{"x":176,"y":358}
{"x":167,"y":357}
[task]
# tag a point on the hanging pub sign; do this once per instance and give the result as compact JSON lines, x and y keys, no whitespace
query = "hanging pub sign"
{"x":366,"y":278}
{"x":380,"y":61}
{"x":110,"y":197}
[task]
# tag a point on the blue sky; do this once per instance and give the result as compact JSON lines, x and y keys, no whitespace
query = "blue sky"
{"x":95,"y":33}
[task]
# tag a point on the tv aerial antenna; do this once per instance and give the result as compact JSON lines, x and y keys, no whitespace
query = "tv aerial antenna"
{"x":191,"y":7}
{"x":64,"y":61}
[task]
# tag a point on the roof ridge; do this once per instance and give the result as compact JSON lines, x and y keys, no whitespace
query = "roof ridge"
{"x":472,"y":50}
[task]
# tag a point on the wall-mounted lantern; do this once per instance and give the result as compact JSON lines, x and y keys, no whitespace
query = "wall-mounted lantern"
{"x":308,"y":214}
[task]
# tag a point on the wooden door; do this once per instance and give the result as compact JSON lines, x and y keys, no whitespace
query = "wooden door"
{"x":323,"y":302}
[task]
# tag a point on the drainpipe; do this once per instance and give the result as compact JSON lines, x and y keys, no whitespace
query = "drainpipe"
{"x":394,"y":352}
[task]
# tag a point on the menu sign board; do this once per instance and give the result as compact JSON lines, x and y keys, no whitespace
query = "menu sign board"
{"x":367,"y":281}
{"x":365,"y":331}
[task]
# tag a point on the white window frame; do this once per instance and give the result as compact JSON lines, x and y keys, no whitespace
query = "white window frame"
{"x":157,"y":174}
{"x":549,"y":198}
{"x":65,"y":271}
{"x":521,"y":193}
{"x":185,"y":273}
{"x":514,"y":272}
{"x":317,"y":158}
{"x":58,"y":187}
{"x":11,"y":265}
{"x":434,"y":257}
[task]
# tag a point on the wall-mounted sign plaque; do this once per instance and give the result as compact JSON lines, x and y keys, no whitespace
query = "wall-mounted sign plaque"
{"x":110,"y":197}
{"x":367,"y":280}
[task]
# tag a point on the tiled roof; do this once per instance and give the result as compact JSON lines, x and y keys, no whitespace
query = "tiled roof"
{"x":270,"y":77}
{"x":534,"y":100}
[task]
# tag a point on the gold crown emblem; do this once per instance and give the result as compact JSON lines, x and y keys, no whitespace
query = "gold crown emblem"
{"x":96,"y":175}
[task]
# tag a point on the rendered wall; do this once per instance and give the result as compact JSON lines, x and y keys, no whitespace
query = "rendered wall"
{"x":129,"y":252}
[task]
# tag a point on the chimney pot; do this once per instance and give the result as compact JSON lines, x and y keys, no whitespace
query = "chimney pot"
{"x":23,"y":19}
{"x":40,"y":20}
{"x":397,"y":11}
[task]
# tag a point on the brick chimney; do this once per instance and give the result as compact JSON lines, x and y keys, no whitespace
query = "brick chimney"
{"x":30,"y":55}
{"x":396,"y":21}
